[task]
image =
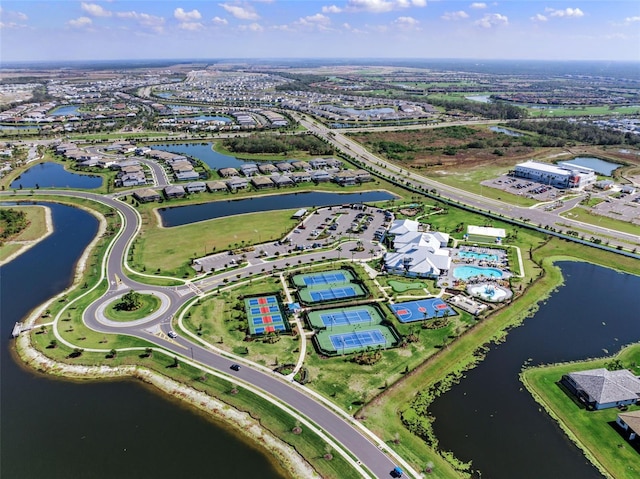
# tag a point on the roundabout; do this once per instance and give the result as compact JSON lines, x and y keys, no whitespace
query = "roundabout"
{"x":106,"y":311}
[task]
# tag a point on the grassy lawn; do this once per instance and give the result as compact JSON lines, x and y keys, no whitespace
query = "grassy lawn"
{"x":594,"y":431}
{"x":582,"y":111}
{"x":221,"y":320}
{"x":170,"y":250}
{"x":403,"y":286}
{"x":148,"y":304}
{"x":6,"y":250}
{"x":586,"y":216}
{"x":37,"y":223}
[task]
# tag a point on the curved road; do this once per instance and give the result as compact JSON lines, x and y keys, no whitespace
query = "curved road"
{"x":366,"y":451}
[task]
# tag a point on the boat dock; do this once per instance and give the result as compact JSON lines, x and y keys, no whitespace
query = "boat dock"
{"x":17,"y":329}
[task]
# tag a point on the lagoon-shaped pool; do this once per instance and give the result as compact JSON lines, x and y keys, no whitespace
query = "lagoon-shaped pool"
{"x":466,"y":272}
{"x":478,"y":256}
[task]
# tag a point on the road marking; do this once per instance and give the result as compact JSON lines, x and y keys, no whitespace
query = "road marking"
{"x":162,"y":335}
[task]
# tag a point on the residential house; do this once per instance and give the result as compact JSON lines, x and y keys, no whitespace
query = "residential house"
{"x":362,"y":176}
{"x":601,"y":388}
{"x":188,"y":175}
{"x":260,"y":182}
{"x":321,"y":176}
{"x":301,"y":165}
{"x":282,"y":180}
{"x":630,"y":422}
{"x":228,"y":172}
{"x":196,"y":187}
{"x":345,"y":178}
{"x":249,"y":169}
{"x":146,"y":195}
{"x":300,"y":176}
{"x":174,"y":191}
{"x":318,"y":163}
{"x":237,"y":183}
{"x":214,"y":186}
{"x":267,"y":168}
{"x":285,"y":167}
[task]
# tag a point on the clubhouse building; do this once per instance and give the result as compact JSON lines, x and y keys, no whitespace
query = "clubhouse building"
{"x":563,"y":175}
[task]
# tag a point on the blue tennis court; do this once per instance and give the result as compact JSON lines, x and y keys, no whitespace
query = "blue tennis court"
{"x":273,"y":318}
{"x":325,"y":278}
{"x":265,"y":309}
{"x":421,"y":310}
{"x":341,"y":318}
{"x":332,"y":293}
{"x":265,"y":300}
{"x":357,"y":339}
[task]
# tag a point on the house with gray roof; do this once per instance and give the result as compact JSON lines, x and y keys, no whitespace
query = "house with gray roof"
{"x":282,"y":180}
{"x":362,"y":176}
{"x":321,"y":176}
{"x":196,"y":187}
{"x":237,"y":183}
{"x":249,"y":169}
{"x":174,"y":191}
{"x":601,"y":388}
{"x":317,"y":163}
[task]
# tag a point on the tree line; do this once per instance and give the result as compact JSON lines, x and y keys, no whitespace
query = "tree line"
{"x":278,"y":144}
{"x":12,"y":222}
{"x":581,"y":132}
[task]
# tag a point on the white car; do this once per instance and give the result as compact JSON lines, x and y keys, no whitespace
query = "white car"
{"x":172,"y":334}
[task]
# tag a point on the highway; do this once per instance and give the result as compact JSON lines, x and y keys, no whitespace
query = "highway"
{"x":533,"y":216}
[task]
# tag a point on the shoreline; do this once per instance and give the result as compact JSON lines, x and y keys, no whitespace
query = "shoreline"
{"x":27,"y":245}
{"x":287,"y":457}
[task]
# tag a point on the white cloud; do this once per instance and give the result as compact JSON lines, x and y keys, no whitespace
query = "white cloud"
{"x":382,"y":6}
{"x":81,"y":22}
{"x":94,"y":10}
{"x":252,"y":27}
{"x":144,"y":19}
{"x":567,"y":12}
{"x":183,"y":16}
{"x":219,"y":21}
{"x":317,"y":19}
{"x":452,"y":16}
{"x":240,"y":12}
{"x":13,"y":16}
{"x":538,"y":17}
{"x":406,"y":23}
{"x":478,"y":5}
{"x":491,"y":20}
{"x":630,"y":20}
{"x":191,"y":26}
{"x":331,"y":9}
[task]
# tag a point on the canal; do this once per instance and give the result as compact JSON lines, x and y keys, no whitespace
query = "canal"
{"x":98,"y":429}
{"x":489,"y":418}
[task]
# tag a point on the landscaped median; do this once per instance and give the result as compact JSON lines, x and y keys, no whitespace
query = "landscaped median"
{"x":595,"y":432}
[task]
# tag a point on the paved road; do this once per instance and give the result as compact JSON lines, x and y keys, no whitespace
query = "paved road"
{"x":155,"y":331}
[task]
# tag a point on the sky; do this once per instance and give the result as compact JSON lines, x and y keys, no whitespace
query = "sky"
{"x":33,"y":30}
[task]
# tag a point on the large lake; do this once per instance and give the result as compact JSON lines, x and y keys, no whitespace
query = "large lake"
{"x":101,"y":430}
{"x":204,"y":152}
{"x":490,"y":419}
{"x":183,"y":215}
{"x":53,"y":175}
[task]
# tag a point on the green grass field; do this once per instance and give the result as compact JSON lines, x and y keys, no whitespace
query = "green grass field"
{"x":148,"y":304}
{"x":592,"y":430}
{"x":403,"y":286}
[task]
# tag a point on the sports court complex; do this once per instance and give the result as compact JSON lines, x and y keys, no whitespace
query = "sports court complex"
{"x":265,"y":315}
{"x":350,"y":330}
{"x":325,"y":286}
{"x":421,"y":309}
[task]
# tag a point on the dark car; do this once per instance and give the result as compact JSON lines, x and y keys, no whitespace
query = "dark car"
{"x":235,"y":367}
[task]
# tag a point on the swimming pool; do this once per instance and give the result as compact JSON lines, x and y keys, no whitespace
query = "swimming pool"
{"x":466,"y":272}
{"x":474,"y":255}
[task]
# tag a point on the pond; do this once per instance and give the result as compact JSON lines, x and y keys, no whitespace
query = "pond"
{"x":183,"y":215}
{"x":68,"y":110}
{"x":490,"y":419}
{"x":101,"y":430}
{"x":204,"y":152}
{"x":479,"y":98}
{"x":53,"y":175}
{"x":207,"y":118}
{"x":506,"y":131}
{"x":601,"y":167}
{"x":369,"y":111}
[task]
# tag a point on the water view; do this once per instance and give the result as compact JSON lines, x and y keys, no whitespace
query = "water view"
{"x":506,"y":131}
{"x":490,"y":419}
{"x":68,"y":110}
{"x":466,"y":272}
{"x":480,"y":98}
{"x":204,"y":152}
{"x":369,"y":111}
{"x":601,"y":167}
{"x":53,"y":175}
{"x":183,"y":215}
{"x":62,"y":429}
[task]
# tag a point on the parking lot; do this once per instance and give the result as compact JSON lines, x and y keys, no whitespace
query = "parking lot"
{"x":320,"y":229}
{"x":524,"y":187}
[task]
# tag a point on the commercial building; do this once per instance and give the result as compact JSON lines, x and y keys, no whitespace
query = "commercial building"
{"x":564,"y":175}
